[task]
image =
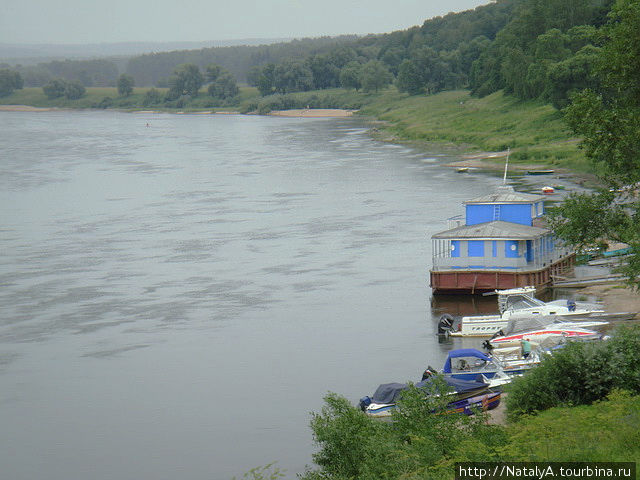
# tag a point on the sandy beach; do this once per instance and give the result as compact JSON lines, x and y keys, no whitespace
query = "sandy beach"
{"x":615,"y":297}
{"x":312,"y":113}
{"x":23,"y":108}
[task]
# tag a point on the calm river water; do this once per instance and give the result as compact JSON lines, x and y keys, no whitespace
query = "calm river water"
{"x":176,"y":298}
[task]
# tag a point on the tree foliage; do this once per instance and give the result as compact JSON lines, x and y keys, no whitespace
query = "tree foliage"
{"x":186,"y":80}
{"x":74,"y":90}
{"x":125,"y":85}
{"x":374,"y":75}
{"x":9,"y":81}
{"x":607,"y":117}
{"x":54,"y":89}
{"x":416,"y":444}
{"x":224,"y":86}
{"x":596,"y":370}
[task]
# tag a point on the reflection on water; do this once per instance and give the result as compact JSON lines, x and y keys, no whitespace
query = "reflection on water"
{"x":178,"y":298}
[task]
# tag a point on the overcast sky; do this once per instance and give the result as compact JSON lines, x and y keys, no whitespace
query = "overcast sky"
{"x":109,"y":21}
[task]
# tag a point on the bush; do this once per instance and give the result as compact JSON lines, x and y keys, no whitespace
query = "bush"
{"x":578,"y":374}
{"x":106,"y":102}
{"x":74,"y":90}
{"x":152,"y":97}
{"x":416,"y":443}
{"x":54,"y":89}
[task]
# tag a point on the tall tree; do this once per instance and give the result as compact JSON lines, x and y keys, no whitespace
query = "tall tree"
{"x":608,"y":120}
{"x":350,"y":76}
{"x":186,"y":80}
{"x":9,"y":81}
{"x":292,"y":76}
{"x":224,"y":86}
{"x":374,"y":75}
{"x":409,"y":79}
{"x":125,"y":85}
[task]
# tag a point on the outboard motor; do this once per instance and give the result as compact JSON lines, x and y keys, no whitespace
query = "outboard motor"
{"x":487,"y":345}
{"x":428,"y":372}
{"x":445,"y":324}
{"x":364,"y":403}
{"x":499,"y":333}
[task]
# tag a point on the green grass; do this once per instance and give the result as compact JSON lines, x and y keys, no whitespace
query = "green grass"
{"x":607,"y":431}
{"x":534,"y":131}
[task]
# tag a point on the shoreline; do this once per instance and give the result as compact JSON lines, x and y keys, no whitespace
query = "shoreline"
{"x":25,"y":108}
{"x":312,"y":113}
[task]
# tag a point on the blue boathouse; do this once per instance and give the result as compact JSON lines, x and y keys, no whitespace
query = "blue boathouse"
{"x":502,"y":242}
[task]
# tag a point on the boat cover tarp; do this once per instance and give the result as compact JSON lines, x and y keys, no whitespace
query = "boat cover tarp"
{"x":538,"y":322}
{"x":389,"y":392}
{"x":463,"y":352}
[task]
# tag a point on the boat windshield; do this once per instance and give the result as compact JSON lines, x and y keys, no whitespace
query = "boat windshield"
{"x":518,"y":302}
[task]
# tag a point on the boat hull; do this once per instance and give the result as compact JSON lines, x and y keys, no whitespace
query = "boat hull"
{"x":467,"y":406}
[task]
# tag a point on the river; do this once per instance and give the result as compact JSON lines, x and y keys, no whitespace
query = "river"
{"x":179,"y":292}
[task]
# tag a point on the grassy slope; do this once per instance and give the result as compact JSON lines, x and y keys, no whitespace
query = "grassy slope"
{"x":607,"y":431}
{"x":533,"y":130}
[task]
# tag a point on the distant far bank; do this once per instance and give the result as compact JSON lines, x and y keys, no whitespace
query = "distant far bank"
{"x":534,"y":131}
{"x":23,"y":108}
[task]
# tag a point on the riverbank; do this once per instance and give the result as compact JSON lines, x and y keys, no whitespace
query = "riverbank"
{"x":24,"y":108}
{"x":615,"y":297}
{"x":313,"y":113}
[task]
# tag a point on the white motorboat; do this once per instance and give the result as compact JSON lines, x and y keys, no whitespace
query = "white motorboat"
{"x":552,"y":334}
{"x":520,"y":303}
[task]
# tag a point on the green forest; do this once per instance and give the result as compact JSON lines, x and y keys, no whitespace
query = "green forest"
{"x":529,"y":48}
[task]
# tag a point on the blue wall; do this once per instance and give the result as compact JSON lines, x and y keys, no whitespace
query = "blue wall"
{"x":475,"y":248}
{"x":507,"y":212}
{"x":455,"y":248}
{"x":507,"y":249}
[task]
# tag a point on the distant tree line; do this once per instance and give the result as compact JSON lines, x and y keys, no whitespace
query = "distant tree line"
{"x":89,"y":73}
{"x":529,"y":48}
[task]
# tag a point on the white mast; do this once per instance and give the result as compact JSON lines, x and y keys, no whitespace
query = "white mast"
{"x":506,"y":165}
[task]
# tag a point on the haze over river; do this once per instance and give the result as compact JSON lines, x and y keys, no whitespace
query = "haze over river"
{"x":177,"y":298}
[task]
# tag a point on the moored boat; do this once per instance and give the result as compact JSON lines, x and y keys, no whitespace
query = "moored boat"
{"x":543,"y":335}
{"x":468,"y":363}
{"x":467,"y":397}
{"x":521,"y":304}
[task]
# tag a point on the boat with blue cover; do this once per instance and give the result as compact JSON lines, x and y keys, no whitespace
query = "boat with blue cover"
{"x":468,"y":396}
{"x":468,"y":363}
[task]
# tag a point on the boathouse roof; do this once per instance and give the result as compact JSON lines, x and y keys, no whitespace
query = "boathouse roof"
{"x":492,"y":231}
{"x":506,"y":194}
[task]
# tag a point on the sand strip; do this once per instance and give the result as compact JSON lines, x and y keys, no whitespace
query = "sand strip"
{"x":312,"y":113}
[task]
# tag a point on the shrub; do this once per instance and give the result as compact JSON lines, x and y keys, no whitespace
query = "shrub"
{"x":152,"y":97}
{"x":54,"y":89}
{"x":74,"y":90}
{"x":579,"y":373}
{"x":416,"y":444}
